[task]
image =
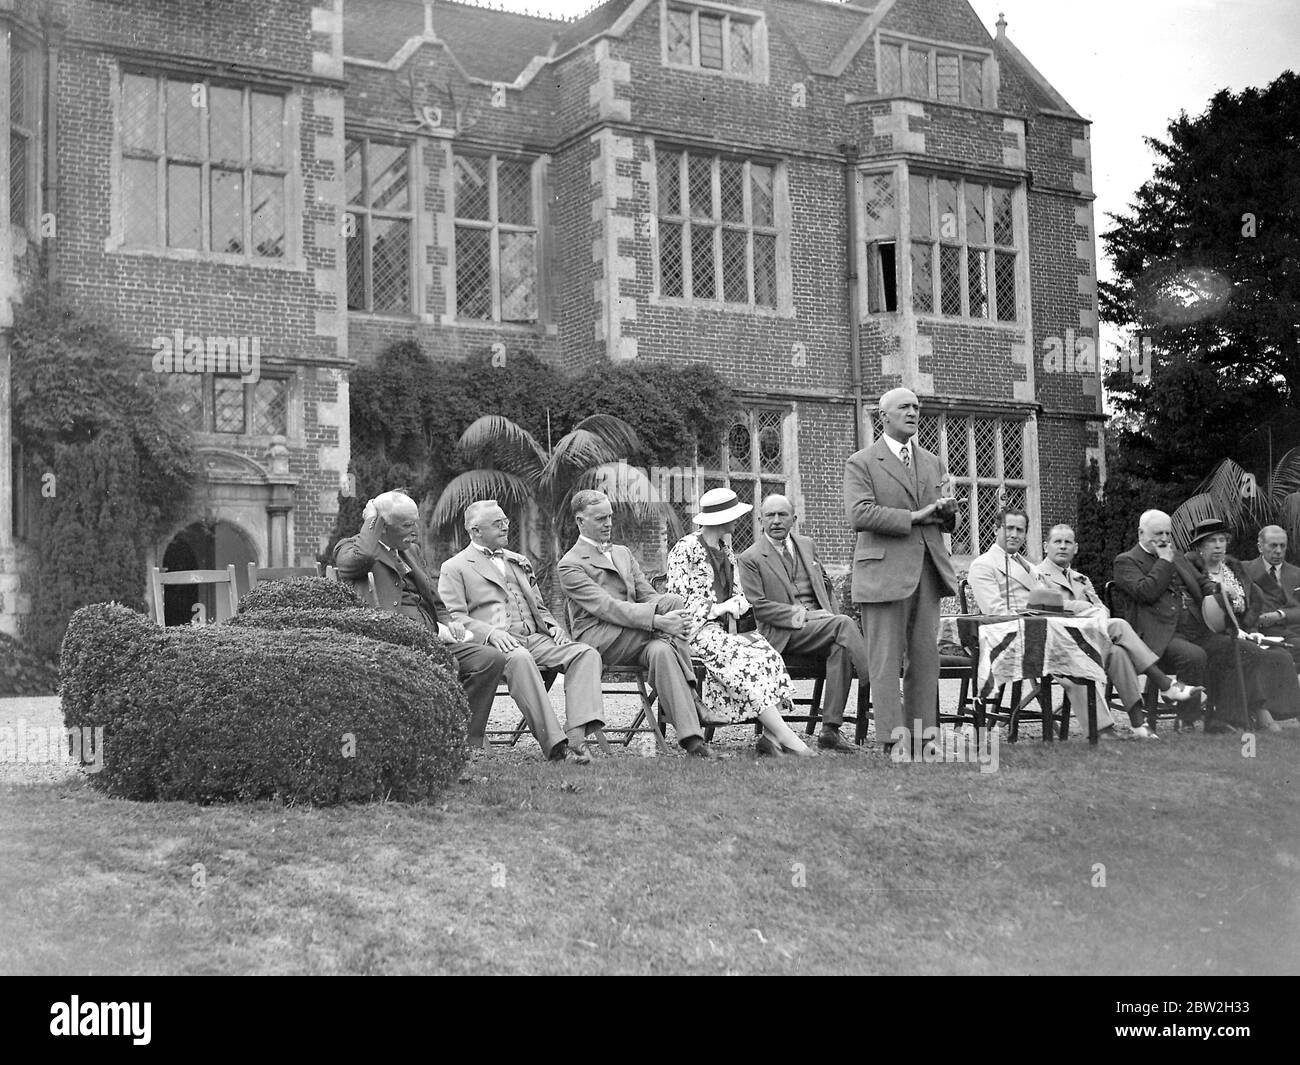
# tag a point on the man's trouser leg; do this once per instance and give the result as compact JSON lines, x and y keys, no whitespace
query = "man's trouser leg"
{"x":1079,"y":698}
{"x":921,"y":675}
{"x":668,"y":663}
{"x":584,"y":707}
{"x":480,"y":673}
{"x":532,"y":698}
{"x":884,"y":630}
{"x":835,"y":641}
{"x":1185,"y":661}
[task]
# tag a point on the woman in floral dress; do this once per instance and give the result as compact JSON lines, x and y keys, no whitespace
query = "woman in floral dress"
{"x":746,"y":678}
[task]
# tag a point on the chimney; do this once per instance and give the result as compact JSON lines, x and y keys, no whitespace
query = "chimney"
{"x":1002,"y":26}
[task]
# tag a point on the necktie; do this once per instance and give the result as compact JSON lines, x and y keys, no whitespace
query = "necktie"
{"x":1277,"y":575}
{"x":1019,"y":561}
{"x":905,"y":454}
{"x":788,"y":556}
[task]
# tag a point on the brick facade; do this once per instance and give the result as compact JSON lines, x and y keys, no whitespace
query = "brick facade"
{"x":592,"y":110}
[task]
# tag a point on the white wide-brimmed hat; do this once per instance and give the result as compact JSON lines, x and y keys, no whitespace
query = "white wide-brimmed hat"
{"x":719,"y":506}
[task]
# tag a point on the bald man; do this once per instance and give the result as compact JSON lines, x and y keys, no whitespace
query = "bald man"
{"x":785,"y":583}
{"x":1279,"y":588}
{"x":895,"y":498}
{"x":388,"y":546}
{"x":1157,"y":586}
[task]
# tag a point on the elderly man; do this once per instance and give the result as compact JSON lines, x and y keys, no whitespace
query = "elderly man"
{"x":1128,"y":655}
{"x":785,"y":583}
{"x":388,"y":547}
{"x":1279,"y":589}
{"x":1158,"y":587}
{"x":613,"y":609}
{"x":492,"y":592}
{"x":894,"y":499}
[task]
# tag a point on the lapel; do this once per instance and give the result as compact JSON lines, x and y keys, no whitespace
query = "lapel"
{"x":1290,"y":583}
{"x":597,"y":558}
{"x":803,"y":547}
{"x":891,"y":464}
{"x":1020,"y":575}
{"x":777,"y":565}
{"x":484,"y":567}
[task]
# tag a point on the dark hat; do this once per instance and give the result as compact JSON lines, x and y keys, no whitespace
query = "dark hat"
{"x":1209,"y":527}
{"x":1046,"y":601}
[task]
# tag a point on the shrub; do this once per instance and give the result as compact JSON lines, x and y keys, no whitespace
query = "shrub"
{"x":358,"y":621}
{"x":222,"y":713}
{"x":300,"y":593}
{"x":23,"y":672}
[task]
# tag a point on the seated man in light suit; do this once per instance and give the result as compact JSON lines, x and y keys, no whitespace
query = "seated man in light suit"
{"x":492,"y":592}
{"x":1279,"y":587}
{"x":1001,"y":580}
{"x":785,"y":584}
{"x":388,"y":547}
{"x":613,"y":609}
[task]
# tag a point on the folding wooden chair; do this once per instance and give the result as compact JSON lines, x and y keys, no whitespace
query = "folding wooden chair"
{"x":190,"y":577}
{"x":332,"y":573}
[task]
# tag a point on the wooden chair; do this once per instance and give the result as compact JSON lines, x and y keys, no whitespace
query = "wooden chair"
{"x":1155,"y":708}
{"x":191,"y":577}
{"x":267,"y":573}
{"x":332,"y":573}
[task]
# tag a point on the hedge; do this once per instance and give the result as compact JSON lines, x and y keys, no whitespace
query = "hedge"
{"x":300,"y":593}
{"x":235,"y":713}
{"x":359,"y":621}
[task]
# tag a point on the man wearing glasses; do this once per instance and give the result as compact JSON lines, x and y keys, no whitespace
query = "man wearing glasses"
{"x":492,"y":592}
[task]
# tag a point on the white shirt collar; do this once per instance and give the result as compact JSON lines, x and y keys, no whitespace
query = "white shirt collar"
{"x":897,"y":446}
{"x":780,"y":545}
{"x":603,"y":548}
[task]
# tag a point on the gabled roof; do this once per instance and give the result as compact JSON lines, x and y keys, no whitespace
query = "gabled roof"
{"x":377,"y":29}
{"x":1038,"y":90}
{"x":493,"y":45}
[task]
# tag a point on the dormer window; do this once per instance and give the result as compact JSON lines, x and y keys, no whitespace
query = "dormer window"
{"x":909,"y":68}
{"x":725,"y":40}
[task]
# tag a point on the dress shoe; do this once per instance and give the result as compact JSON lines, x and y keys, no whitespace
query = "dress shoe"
{"x":1178,"y":692}
{"x":766,"y":746}
{"x":800,"y":752}
{"x":697,"y":748}
{"x":1145,"y":732}
{"x":832,"y":740}
{"x":1108,"y":733}
{"x":579,"y":755}
{"x":559,"y":752}
{"x":1214,"y":727}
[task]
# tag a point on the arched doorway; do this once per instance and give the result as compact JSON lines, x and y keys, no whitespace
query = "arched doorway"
{"x":204,"y":545}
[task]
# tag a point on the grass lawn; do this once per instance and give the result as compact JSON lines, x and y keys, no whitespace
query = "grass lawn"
{"x":660,"y":865}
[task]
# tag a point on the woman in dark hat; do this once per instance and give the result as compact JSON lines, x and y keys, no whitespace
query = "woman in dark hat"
{"x":1229,"y":619}
{"x":746,"y":676}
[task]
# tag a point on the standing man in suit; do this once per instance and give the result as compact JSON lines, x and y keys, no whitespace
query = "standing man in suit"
{"x":1279,"y":585}
{"x":613,"y":609}
{"x":785,"y":583}
{"x":388,"y":546}
{"x":894,"y":498}
{"x":1162,"y":592}
{"x":491,"y":591}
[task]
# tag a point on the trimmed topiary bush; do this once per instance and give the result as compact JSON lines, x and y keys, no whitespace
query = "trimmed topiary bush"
{"x":359,"y":621}
{"x":300,"y":593}
{"x":234,"y":713}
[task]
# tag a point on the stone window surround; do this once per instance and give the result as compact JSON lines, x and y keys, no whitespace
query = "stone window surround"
{"x":293,"y":259}
{"x":901,"y":172}
{"x":989,"y":67}
{"x":782,"y":215}
{"x":411,"y":213}
{"x":754,"y":17}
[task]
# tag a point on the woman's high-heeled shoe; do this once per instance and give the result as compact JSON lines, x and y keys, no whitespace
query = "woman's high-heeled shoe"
{"x":766,"y":746}
{"x":804,"y":752}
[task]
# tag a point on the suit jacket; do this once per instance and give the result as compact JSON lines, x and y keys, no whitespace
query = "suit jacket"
{"x":476,"y":596}
{"x":1081,"y":598}
{"x":879,"y":497}
{"x":994,"y":577}
{"x":1148,"y":599}
{"x":1272,"y":596}
{"x":607,"y":597}
{"x":355,"y":556}
{"x":771,"y":592}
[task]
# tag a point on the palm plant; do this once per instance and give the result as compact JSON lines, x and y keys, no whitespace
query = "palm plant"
{"x":1232,"y":494}
{"x":514,"y":468}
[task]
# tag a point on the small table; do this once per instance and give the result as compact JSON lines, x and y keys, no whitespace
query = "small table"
{"x":1033,"y":647}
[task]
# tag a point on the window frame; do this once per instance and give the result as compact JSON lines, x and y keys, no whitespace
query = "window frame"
{"x":934,"y":49}
{"x":248,"y":170}
{"x":207,"y":407}
{"x":902,"y":178}
{"x":25,"y":128}
{"x":363,"y":213}
{"x":717,"y":225}
{"x":495,"y":228}
{"x":728,"y":14}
